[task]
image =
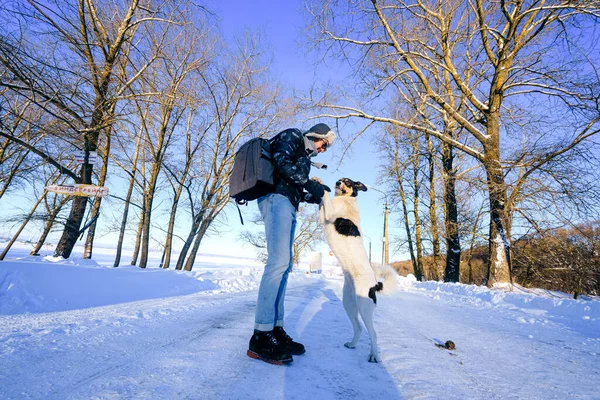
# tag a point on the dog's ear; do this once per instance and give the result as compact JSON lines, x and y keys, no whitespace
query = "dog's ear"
{"x":360,"y":186}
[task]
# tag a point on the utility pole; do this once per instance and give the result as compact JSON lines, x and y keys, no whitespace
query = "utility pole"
{"x":369,"y":246}
{"x":385,"y":251}
{"x":385,"y":254}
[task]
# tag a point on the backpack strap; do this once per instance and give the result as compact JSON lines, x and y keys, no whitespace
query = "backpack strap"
{"x":243,"y":202}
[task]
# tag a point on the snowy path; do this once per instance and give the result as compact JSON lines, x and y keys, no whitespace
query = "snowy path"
{"x":193,"y":347}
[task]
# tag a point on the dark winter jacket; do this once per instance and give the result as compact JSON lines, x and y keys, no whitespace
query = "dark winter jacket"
{"x":292,"y":164}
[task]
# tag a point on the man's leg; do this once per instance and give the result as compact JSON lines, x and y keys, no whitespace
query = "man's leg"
{"x":279,"y":307}
{"x":291,"y":346}
{"x":279,"y":216}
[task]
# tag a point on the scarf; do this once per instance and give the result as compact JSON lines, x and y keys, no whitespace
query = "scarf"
{"x":310,"y":146}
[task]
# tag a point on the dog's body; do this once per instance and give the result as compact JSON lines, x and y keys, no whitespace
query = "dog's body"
{"x":341,"y":219}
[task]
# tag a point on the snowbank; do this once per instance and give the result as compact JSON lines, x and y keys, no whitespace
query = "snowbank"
{"x":52,"y":285}
{"x":538,"y":303}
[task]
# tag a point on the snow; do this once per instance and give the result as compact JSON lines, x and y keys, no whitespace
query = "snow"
{"x":75,"y":329}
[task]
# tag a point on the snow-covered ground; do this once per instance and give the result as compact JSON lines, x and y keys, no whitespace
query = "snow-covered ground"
{"x":80,"y":329}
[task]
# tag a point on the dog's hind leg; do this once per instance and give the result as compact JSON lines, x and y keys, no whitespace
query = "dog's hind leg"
{"x":366,"y":307}
{"x":351,"y":308}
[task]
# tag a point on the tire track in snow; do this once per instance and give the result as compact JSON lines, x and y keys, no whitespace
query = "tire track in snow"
{"x":56,"y":360}
{"x":222,"y":318}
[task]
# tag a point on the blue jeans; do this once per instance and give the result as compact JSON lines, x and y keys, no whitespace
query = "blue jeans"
{"x":279,"y":216}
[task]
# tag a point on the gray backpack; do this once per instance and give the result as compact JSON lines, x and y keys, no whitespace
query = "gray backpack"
{"x":252,"y":175}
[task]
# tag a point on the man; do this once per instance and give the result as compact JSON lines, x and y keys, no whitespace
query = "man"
{"x":291,"y":151}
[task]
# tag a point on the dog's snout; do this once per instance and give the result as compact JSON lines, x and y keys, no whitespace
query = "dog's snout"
{"x":338,"y":183}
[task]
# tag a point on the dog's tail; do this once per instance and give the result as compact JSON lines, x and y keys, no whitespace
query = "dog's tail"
{"x":388,"y":276}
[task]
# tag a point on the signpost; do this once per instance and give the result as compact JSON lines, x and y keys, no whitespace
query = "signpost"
{"x":80,"y":157}
{"x":79,"y":190}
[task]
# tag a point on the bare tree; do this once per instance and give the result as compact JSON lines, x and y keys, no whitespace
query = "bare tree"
{"x":495,"y":53}
{"x":179,"y":175}
{"x":245,"y":104}
{"x":131,"y":172}
{"x":72,"y":76}
{"x":53,"y":178}
{"x":103,"y":152}
{"x":400,"y":159}
{"x":182,"y":59}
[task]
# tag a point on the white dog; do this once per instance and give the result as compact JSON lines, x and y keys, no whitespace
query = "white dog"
{"x":341,"y":220}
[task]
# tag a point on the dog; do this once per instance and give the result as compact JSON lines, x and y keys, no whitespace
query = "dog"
{"x":341,"y":220}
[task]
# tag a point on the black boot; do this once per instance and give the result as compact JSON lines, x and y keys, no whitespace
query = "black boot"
{"x":292,"y":347}
{"x":264,"y":346}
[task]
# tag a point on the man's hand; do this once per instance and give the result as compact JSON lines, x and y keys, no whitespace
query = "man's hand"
{"x":308,"y":198}
{"x":317,"y":179}
{"x":316,"y":190}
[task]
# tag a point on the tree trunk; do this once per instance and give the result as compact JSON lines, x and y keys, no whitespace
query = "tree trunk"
{"x":171,"y":227}
{"x":124,"y":222}
{"x":416,"y":201}
{"x":89,"y":241}
{"x":73,"y":224}
{"x":158,"y":157}
{"x":138,"y":236}
{"x":499,"y":266}
{"x":169,"y":239}
{"x":435,"y":237}
{"x":416,"y":271}
{"x":145,"y":230}
{"x":472,"y":246}
{"x":16,"y":236}
{"x":128,"y":201}
{"x":189,"y":264}
{"x":71,"y":231}
{"x":148,"y":202}
{"x":190,"y":152}
{"x":295,"y":256}
{"x":4,"y":146}
{"x":453,"y":251}
{"x":48,"y":227}
{"x":499,"y":237}
{"x":188,"y":242}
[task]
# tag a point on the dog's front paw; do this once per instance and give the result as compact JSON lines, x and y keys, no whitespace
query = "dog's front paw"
{"x":349,"y":345}
{"x":373,"y":358}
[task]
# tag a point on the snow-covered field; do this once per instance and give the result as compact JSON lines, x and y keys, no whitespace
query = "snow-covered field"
{"x":80,"y":329}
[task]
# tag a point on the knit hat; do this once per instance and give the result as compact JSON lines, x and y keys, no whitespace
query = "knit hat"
{"x":322,"y":131}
